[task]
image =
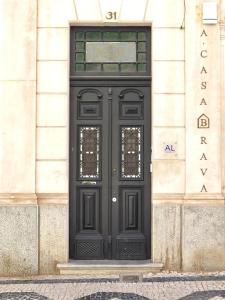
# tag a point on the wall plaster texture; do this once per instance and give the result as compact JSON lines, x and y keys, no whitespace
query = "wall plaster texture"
{"x":53,"y":237}
{"x":203,"y":238}
{"x":19,"y":240}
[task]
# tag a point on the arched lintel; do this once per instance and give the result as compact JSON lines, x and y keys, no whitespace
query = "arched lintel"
{"x":88,"y":90}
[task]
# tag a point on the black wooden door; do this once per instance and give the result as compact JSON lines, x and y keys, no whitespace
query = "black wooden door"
{"x":109,"y":170}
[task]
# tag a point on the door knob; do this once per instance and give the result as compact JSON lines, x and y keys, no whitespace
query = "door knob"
{"x":114,"y":199}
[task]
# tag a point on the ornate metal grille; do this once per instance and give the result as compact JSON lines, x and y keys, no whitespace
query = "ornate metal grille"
{"x":131,"y":148}
{"x":89,"y":152}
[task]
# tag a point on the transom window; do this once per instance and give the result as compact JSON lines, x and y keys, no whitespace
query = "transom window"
{"x":109,"y":51}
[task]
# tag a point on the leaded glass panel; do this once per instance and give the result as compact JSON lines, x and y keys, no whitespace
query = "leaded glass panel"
{"x":131,"y":152}
{"x":111,"y":51}
{"x":89,"y":141}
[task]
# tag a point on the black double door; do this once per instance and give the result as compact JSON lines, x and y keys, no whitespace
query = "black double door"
{"x":110,"y":170}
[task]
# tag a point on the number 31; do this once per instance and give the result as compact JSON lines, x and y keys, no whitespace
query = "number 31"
{"x":111,"y":15}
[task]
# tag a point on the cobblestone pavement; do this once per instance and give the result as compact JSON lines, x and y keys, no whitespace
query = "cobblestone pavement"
{"x":163,"y":286}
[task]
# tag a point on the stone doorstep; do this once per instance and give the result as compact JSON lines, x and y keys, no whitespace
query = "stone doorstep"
{"x":108,"y":267}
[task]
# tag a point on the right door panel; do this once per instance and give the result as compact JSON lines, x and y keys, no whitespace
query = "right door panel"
{"x":130,"y":173}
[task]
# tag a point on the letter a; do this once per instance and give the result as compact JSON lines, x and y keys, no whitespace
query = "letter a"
{"x":203,"y":70}
{"x":203,"y":189}
{"x":204,"y":33}
{"x":203,"y":157}
{"x":167,"y":148}
{"x":203,"y":102}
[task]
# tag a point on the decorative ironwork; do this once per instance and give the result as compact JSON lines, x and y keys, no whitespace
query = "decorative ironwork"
{"x":89,"y":152}
{"x":92,"y":249}
{"x":131,"y":148}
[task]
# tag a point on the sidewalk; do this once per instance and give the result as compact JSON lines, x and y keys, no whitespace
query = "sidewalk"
{"x":162,"y":286}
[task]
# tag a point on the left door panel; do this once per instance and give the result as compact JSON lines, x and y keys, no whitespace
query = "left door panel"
{"x":89,"y":222}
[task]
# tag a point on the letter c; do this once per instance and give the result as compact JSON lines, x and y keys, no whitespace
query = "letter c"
{"x":204,"y":53}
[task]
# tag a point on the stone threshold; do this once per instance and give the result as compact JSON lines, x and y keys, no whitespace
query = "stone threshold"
{"x":108,"y":267}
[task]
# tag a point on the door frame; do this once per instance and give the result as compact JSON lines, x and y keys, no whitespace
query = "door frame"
{"x":105,"y":81}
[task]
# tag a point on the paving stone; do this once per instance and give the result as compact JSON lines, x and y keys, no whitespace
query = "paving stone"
{"x":22,"y":296}
{"x":207,"y":295}
{"x":153,"y":287}
{"x":113,"y":296}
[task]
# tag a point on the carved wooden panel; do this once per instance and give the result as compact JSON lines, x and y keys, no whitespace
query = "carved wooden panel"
{"x":131,"y":209}
{"x":89,"y":208}
{"x":131,"y":110}
{"x":89,"y":110}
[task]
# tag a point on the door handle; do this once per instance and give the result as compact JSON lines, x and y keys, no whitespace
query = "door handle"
{"x":114,"y":199}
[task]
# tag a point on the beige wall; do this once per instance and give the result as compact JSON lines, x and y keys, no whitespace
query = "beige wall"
{"x":17,"y":96}
{"x":18,"y":210}
{"x":34,"y":125}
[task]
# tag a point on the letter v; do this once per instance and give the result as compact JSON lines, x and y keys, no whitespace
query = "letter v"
{"x":204,"y":171}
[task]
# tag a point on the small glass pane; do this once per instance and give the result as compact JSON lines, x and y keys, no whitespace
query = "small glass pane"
{"x":141,"y":36}
{"x":110,"y":52}
{"x":89,"y":139}
{"x":128,"y":67}
{"x":111,"y":36}
{"x":79,"y":67}
{"x":142,"y":68}
{"x":80,"y":46}
{"x":111,"y":67}
{"x":128,"y":36}
{"x":93,"y":67}
{"x":141,"y":46}
{"x":79,"y":57}
{"x":79,"y":36}
{"x":141,"y":57}
{"x":131,"y":148}
{"x":93,"y":36}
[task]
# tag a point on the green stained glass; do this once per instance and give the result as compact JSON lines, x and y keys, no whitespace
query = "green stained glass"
{"x":141,"y":57}
{"x":141,"y":36}
{"x":79,"y":57}
{"x":128,"y":67}
{"x":111,"y":67}
{"x":111,"y":36}
{"x":93,"y":36}
{"x":111,"y":51}
{"x":79,"y":36}
{"x":141,"y":46}
{"x":142,"y":67}
{"x":80,"y":46}
{"x":93,"y":67}
{"x":79,"y":67}
{"x":128,"y":36}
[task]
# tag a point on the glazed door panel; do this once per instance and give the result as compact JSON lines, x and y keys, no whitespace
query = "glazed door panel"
{"x":109,"y":171}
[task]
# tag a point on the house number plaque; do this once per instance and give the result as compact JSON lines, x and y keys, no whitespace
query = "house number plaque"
{"x":111,"y":15}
